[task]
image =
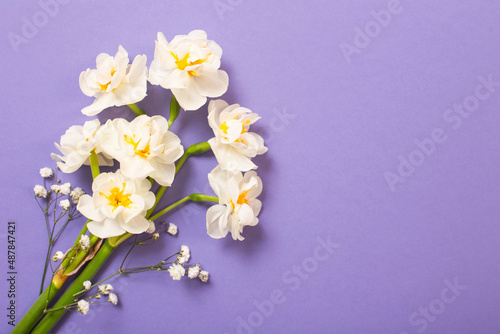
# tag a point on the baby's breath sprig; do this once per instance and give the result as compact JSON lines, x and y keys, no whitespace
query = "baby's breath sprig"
{"x":53,"y":198}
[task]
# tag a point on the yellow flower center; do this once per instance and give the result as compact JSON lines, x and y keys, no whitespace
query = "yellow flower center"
{"x":224,"y":127}
{"x":242,"y":199}
{"x":144,"y":153}
{"x":117,"y":198}
{"x":104,"y":87}
{"x":183,"y":63}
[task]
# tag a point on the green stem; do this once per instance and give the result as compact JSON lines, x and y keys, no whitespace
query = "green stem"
{"x":94,"y":164}
{"x":67,"y":259}
{"x":36,"y":310}
{"x":88,"y":273}
{"x":192,"y":197}
{"x":197,"y":148}
{"x":80,"y":256}
{"x":136,"y":109}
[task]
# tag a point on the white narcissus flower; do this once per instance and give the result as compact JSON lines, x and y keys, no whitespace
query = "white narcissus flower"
{"x":83,"y":306}
{"x":176,"y":271}
{"x":114,"y":82}
{"x":144,"y":147}
{"x":118,"y":205}
{"x":46,"y":172}
{"x":189,"y":66}
{"x":193,"y":272}
{"x":233,"y":144}
{"x":77,"y":144}
{"x":238,"y":204}
{"x":40,"y":191}
{"x":65,"y":204}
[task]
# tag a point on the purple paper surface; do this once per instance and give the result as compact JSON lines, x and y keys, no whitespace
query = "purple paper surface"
{"x":381,"y":184}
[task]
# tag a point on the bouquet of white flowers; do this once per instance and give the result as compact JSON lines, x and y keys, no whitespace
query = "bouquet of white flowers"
{"x":123,"y":203}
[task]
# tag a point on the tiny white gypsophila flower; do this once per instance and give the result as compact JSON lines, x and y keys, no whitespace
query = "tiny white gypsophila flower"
{"x":189,"y":67}
{"x":65,"y":188}
{"x":176,"y":271}
{"x":65,"y":204}
{"x":85,"y":242}
{"x":114,"y":82}
{"x":238,"y":204}
{"x":193,"y":272}
{"x":144,"y":147}
{"x":203,"y":276}
{"x":75,"y":194}
{"x":98,"y":296}
{"x":156,"y":236}
{"x":185,"y":254}
{"x":57,"y":256}
{"x":87,"y":285}
{"x":104,"y":289}
{"x":172,"y":229}
{"x":113,"y":298}
{"x":55,"y":188}
{"x":152,"y":227}
{"x":77,"y":144}
{"x":46,"y":172}
{"x":83,"y":306}
{"x":40,"y":191}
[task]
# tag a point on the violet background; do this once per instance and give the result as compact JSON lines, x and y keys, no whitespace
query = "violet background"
{"x":323,"y":175}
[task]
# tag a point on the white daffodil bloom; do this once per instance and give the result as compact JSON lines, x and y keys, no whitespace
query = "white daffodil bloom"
{"x":233,"y":144}
{"x":77,"y":144}
{"x":144,"y":147}
{"x":114,"y":82}
{"x":189,"y":66}
{"x":118,"y":205}
{"x":238,"y":204}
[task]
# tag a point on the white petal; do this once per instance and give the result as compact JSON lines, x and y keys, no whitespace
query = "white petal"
{"x":87,"y":208}
{"x":214,"y":214}
{"x":211,"y":83}
{"x":189,"y":98}
{"x":105,"y":229}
